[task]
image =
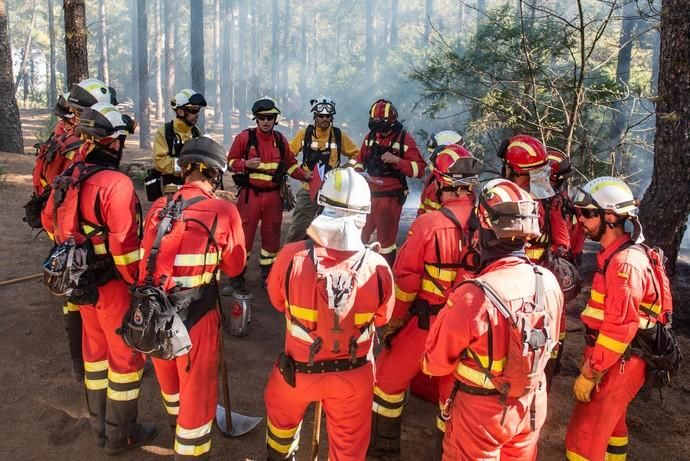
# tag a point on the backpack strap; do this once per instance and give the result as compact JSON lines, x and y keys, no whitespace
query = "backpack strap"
{"x":251,"y":142}
{"x":308,"y":135}
{"x":195,"y":132}
{"x":338,"y":141}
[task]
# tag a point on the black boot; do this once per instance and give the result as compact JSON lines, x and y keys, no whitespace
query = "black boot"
{"x":235,"y":283}
{"x":73,"y":325}
{"x":141,"y":434}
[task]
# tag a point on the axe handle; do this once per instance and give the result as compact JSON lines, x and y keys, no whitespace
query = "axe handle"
{"x":317,"y":431}
{"x":224,"y":381}
{"x":20,"y":279}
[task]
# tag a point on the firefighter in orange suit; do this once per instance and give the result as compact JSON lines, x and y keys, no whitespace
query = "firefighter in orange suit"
{"x":388,"y":155}
{"x":259,"y":159}
{"x":438,"y":251}
{"x":472,"y":338}
{"x":190,"y":260}
{"x":437,"y":142}
{"x":108,"y":211}
{"x":334,"y":292}
{"x":526,"y":162}
{"x":624,"y":299}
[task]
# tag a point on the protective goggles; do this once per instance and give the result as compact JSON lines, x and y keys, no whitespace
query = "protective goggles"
{"x":324,"y":108}
{"x":587,"y":213}
{"x":192,"y":110}
{"x":266,"y":117}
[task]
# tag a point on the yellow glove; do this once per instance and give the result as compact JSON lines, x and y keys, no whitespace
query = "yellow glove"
{"x":583,"y":388}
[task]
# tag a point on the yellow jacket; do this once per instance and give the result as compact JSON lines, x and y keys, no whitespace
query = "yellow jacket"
{"x":319,"y":141}
{"x":161,"y":160}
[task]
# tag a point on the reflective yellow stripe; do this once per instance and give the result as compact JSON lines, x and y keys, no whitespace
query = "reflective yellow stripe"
{"x":497,"y":365}
{"x":303,"y":313}
{"x":390,"y":398}
{"x":192,"y":450}
{"x":615,"y":457}
{"x":291,"y":169}
{"x":232,"y":162}
{"x":534,"y":253}
{"x":656,"y":308}
{"x":69,"y":307}
{"x":51,"y":236}
{"x":430,"y":287}
{"x":282,"y":433}
{"x":280,"y":448}
{"x":122,"y":378}
{"x":593,"y":312}
{"x":390,"y":249}
{"x":446,"y":275}
{"x":474,"y":376}
{"x":267,"y":166}
{"x":99,"y":249}
{"x":415,"y":169}
{"x":123,"y":396}
{"x":129,"y":258}
{"x":611,"y":344}
{"x":404,"y":295}
{"x":428,"y":203}
{"x":562,"y":335}
{"x":96,"y":366}
{"x":571,"y":456}
{"x":44,"y":183}
{"x":618,"y":441}
{"x":267,"y":253}
{"x":597,"y":297}
{"x":440,"y":425}
{"x":194,"y":280}
{"x":361,"y":319}
{"x":96,"y":384}
{"x":623,"y":275}
{"x":193,"y":433}
{"x":190,"y":260}
{"x":260,"y":176}
{"x":387,"y":412}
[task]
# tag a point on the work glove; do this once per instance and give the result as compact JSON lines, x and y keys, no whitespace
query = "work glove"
{"x":389,"y":330}
{"x":583,"y":388}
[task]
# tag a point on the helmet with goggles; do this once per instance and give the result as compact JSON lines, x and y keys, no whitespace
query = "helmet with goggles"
{"x":608,"y":194}
{"x":187,"y":98}
{"x":456,"y":167}
{"x":508,"y":210}
{"x":103,"y":122}
{"x":322,"y":106}
{"x":383,"y":116}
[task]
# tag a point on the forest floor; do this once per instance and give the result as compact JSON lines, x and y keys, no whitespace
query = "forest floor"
{"x":43,"y":411}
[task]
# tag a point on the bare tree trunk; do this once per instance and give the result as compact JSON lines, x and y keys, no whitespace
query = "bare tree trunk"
{"x":218,"y":110}
{"x":369,"y":51}
{"x":461,"y":18}
{"x":285,"y":51}
{"x":665,"y":224}
{"x":275,"y":49}
{"x":11,"y":134}
{"x":53,"y":96}
{"x":143,"y":63}
{"x":655,"y":58}
{"x":481,"y":12}
{"x":196,"y":50}
{"x":135,"y":59}
{"x":393,"y":29}
{"x":26,"y":53}
{"x":169,"y":50}
{"x":303,"y":52}
{"x":242,"y":102}
{"x":226,"y":71}
{"x":253,"y":51}
{"x":428,"y":13}
{"x":157,"y":55}
{"x":76,"y":54}
{"x":103,"y":72}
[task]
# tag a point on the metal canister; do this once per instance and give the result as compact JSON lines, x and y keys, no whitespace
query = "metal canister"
{"x":240,"y":313}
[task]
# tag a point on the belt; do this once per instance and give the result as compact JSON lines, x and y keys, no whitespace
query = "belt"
{"x":388,"y":193}
{"x":329,"y":366}
{"x":473,"y":390}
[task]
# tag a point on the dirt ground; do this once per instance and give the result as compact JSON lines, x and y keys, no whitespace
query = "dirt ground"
{"x":43,"y":412}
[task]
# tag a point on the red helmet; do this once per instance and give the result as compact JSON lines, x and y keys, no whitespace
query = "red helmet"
{"x":525,"y":153}
{"x":456,"y":166}
{"x":560,"y":165}
{"x":383,"y":110}
{"x":508,"y":210}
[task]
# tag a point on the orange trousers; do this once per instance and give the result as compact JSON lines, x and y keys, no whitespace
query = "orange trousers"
{"x":385,"y":219}
{"x":112,"y":371}
{"x":266,"y":207}
{"x":597,"y":429}
{"x":346,"y":397}
{"x":189,"y":386}
{"x":475,"y":432}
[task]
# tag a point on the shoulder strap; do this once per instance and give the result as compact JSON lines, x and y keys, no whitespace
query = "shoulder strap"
{"x":618,"y":250}
{"x":195,"y":132}
{"x":338,"y":141}
{"x":278,"y":138}
{"x":308,"y":134}
{"x":251,"y":142}
{"x":170,"y":136}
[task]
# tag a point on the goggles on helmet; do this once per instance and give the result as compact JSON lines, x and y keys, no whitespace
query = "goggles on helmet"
{"x":324,"y":108}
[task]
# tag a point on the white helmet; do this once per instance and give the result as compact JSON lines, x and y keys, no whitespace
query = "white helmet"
{"x":104,"y":121}
{"x":607,"y":193}
{"x":188,"y":97}
{"x":442,"y":139}
{"x":345,"y":190}
{"x":322,"y":105}
{"x":89,"y":92}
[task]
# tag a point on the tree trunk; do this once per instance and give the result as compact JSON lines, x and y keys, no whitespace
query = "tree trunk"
{"x":461,"y":18}
{"x":393,"y":29}
{"x":428,"y":13}
{"x":303,"y":52}
{"x":11,"y":134}
{"x":369,"y":51}
{"x":242,"y":103}
{"x":157,"y":56}
{"x":481,"y":13}
{"x":169,"y":51}
{"x":217,"y":108}
{"x":135,"y":59}
{"x":103,"y":71}
{"x":196,"y":50}
{"x":53,"y":93}
{"x":253,"y":51}
{"x":226,"y":71}
{"x":143,"y":64}
{"x":285,"y":83}
{"x":275,"y":49}
{"x":25,"y":55}
{"x":666,"y":203}
{"x":76,"y":53}
{"x":655,"y":57}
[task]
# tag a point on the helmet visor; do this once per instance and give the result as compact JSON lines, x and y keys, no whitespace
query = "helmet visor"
{"x":324,"y":108}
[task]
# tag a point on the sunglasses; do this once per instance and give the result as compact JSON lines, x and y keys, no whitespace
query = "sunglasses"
{"x":192,"y":111}
{"x":265,"y":117}
{"x":327,"y":116}
{"x":587,"y":213}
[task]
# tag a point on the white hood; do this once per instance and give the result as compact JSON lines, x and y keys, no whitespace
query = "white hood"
{"x":338,"y":229}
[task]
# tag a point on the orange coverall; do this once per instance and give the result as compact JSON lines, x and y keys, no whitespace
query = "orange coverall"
{"x":346,"y":394}
{"x":428,"y":201}
{"x":465,"y":324}
{"x":189,"y":382}
{"x":614,"y":313}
